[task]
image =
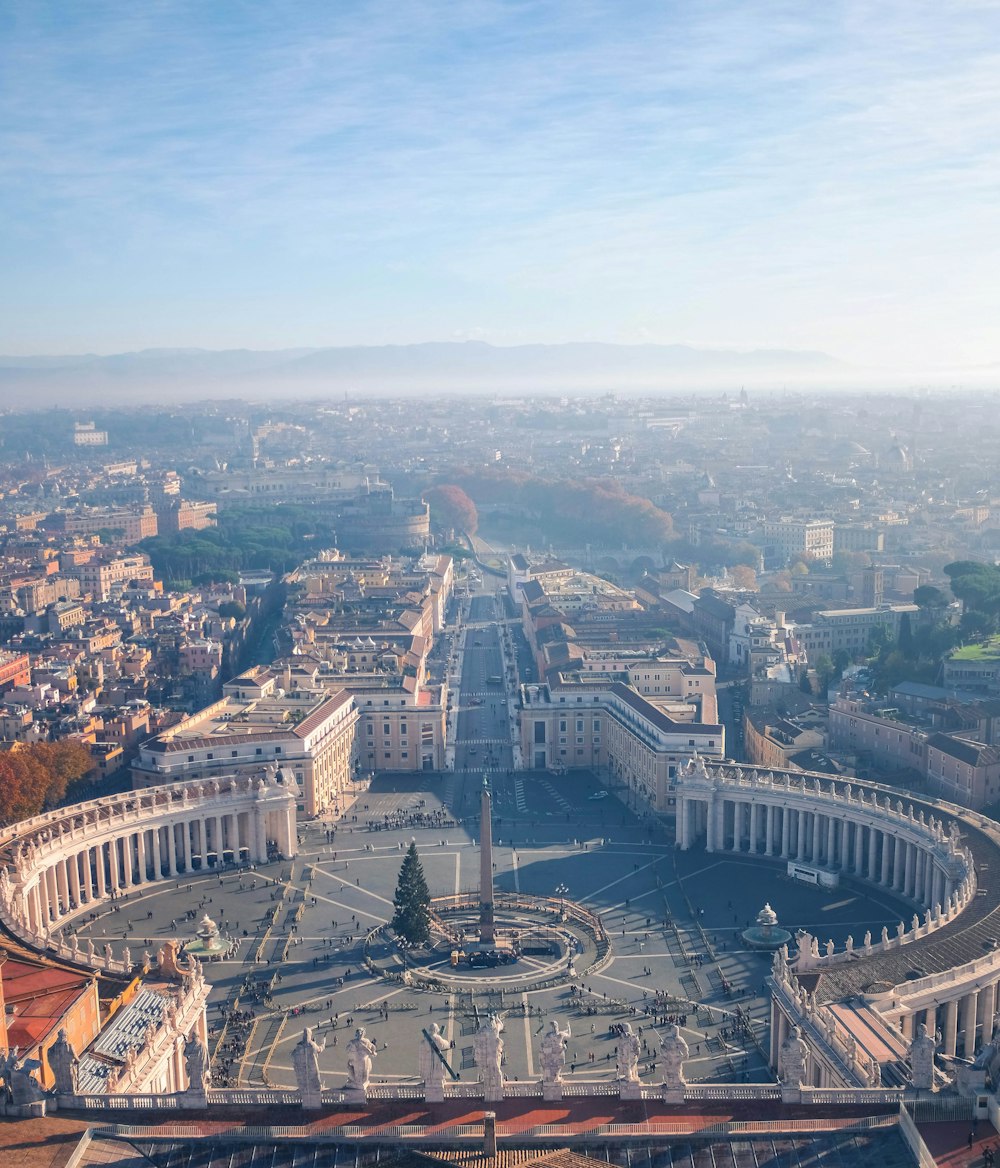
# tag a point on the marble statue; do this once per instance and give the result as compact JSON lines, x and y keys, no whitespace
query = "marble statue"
{"x":108,"y":954}
{"x":90,"y":949}
{"x":673,"y":1051}
{"x":432,"y":1070}
{"x":792,"y":1060}
{"x":305,"y":1063}
{"x":628,"y":1055}
{"x":922,"y":1050}
{"x":16,"y":1076}
{"x":360,"y":1053}
{"x":488,"y":1049}
{"x":65,"y":1065}
{"x":196,"y":1061}
{"x":553,"y":1053}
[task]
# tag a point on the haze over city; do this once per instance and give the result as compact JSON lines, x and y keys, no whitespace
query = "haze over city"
{"x":223,"y":176}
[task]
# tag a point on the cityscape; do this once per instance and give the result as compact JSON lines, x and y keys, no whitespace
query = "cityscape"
{"x":499,"y":585}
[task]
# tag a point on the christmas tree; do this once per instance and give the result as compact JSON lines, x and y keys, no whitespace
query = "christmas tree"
{"x":412,"y":919}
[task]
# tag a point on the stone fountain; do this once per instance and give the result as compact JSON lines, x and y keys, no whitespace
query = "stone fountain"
{"x":765,"y":934}
{"x":208,"y":942}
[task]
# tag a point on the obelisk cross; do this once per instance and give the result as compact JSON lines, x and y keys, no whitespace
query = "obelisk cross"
{"x":487,"y":931}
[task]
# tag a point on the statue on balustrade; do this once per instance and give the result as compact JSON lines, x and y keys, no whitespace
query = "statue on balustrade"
{"x":305,"y":1063}
{"x":629,"y":1049}
{"x":432,"y":1062}
{"x":922,"y":1050}
{"x":553,"y":1053}
{"x":673,"y":1051}
{"x":360,"y":1053}
{"x":792,"y":1059}
{"x":17,"y":1078}
{"x":488,"y":1049}
{"x":65,"y":1065}
{"x":196,"y":1061}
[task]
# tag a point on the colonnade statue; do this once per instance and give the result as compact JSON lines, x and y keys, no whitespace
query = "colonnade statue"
{"x":431,"y":1063}
{"x":673,"y":1051}
{"x":65,"y":1065}
{"x":792,"y":1059}
{"x":488,"y":1049}
{"x":305,"y":1062}
{"x":360,"y":1053}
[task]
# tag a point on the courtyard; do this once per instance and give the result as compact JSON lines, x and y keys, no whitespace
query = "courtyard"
{"x":674,"y":920}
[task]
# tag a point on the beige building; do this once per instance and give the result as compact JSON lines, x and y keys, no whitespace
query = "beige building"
{"x":583,"y":722}
{"x":309,"y":734}
{"x":788,"y":537}
{"x":100,"y":579}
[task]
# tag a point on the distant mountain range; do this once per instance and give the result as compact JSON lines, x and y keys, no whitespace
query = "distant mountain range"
{"x":168,"y":375}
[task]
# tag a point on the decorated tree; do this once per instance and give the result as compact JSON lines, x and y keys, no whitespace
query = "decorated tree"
{"x":412,"y":920}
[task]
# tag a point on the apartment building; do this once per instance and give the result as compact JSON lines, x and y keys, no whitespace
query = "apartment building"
{"x":788,"y":537}
{"x":850,"y":628}
{"x":100,"y":578}
{"x":310,"y":735}
{"x":601,"y":723}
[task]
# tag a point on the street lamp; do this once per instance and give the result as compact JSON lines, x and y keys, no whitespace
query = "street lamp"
{"x":561,"y":891}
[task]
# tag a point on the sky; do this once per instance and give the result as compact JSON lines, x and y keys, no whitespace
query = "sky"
{"x":268,"y":174}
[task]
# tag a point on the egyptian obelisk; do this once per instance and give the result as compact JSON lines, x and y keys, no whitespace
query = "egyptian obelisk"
{"x":487,"y":933}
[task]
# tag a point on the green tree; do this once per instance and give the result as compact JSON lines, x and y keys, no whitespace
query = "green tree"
{"x":927,"y":596}
{"x":412,"y":919}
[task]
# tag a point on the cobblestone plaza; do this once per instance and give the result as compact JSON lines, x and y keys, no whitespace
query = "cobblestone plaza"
{"x":674,"y":919}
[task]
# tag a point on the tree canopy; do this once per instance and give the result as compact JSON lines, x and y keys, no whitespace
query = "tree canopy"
{"x":35,"y":777}
{"x":412,"y":920}
{"x":452,"y":507}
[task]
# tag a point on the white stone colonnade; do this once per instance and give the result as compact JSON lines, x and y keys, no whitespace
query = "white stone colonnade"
{"x":62,"y":863}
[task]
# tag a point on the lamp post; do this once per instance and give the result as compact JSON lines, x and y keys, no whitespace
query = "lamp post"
{"x":562,"y":891}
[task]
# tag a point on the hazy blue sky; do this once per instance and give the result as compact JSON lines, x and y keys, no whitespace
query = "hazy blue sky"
{"x":818,"y":174}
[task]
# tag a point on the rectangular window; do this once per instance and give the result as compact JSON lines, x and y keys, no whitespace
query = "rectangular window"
{"x":539,"y":732}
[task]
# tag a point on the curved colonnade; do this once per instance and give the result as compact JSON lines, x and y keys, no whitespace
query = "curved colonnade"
{"x":63,"y":863}
{"x":940,"y":968}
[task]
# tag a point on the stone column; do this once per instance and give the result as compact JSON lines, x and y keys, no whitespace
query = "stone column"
{"x":872,"y":853}
{"x":772,"y":814}
{"x":801,"y":831}
{"x":681,"y":822}
{"x":886,"y":858}
{"x":37,"y":912}
{"x":74,"y":879}
{"x":898,"y":866}
{"x":908,"y":872}
{"x":786,"y":834}
{"x":172,"y":849}
{"x":62,"y":885}
{"x":906,"y":1026}
{"x":859,"y":849}
{"x":86,"y":875}
{"x":969,"y":1005}
{"x":987,"y":1010}
{"x":157,"y":857}
{"x":52,"y":893}
{"x":815,"y":838}
{"x":754,"y":828}
{"x":234,"y":835}
{"x":261,"y":826}
{"x":100,"y":872}
{"x":142,"y":874}
{"x":950,"y":1028}
{"x":831,"y":840}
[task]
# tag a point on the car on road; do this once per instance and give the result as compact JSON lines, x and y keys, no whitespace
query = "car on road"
{"x":599,"y":795}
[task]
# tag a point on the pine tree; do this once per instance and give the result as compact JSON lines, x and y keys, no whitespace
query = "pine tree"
{"x":411,"y":920}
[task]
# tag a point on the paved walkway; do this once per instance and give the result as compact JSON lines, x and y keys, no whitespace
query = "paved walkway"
{"x":949,"y":1143}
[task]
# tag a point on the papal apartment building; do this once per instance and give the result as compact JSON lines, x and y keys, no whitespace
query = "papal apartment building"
{"x":309,"y":734}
